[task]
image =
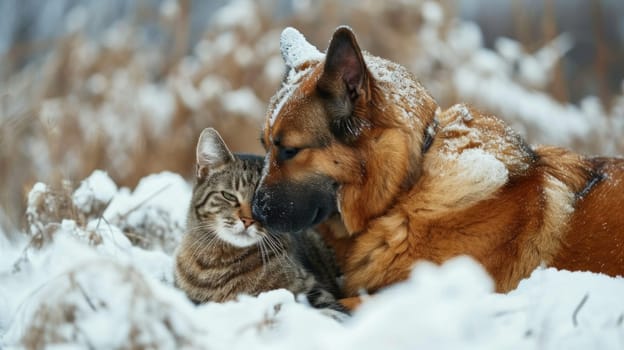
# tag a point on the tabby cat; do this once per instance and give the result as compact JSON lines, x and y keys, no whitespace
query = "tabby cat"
{"x":226,"y":253}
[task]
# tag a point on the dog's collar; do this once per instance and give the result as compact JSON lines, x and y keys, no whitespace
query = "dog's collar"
{"x":430,"y":133}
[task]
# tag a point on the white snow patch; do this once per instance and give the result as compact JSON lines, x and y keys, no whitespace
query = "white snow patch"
{"x":225,"y":43}
{"x":243,"y":102}
{"x":166,"y":191}
{"x":536,"y":69}
{"x":244,"y":56}
{"x":511,"y":50}
{"x":189,"y":95}
{"x":296,"y":49}
{"x":399,"y":85}
{"x":481,"y":167}
{"x":274,"y":69}
{"x":465,"y":38}
{"x":290,"y":85}
{"x":37,"y":190}
{"x":76,"y":19}
{"x":169,"y":9}
{"x":97,"y":84}
{"x":158,"y":104}
{"x":212,"y":86}
{"x":120,"y":294}
{"x":97,"y":188}
{"x":238,"y":14}
{"x":559,"y":123}
{"x":432,"y":13}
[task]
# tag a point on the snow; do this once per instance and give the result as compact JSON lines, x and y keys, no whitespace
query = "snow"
{"x":98,"y":188}
{"x":77,"y":292}
{"x":158,"y":103}
{"x":399,"y":86}
{"x":243,"y":102}
{"x":274,"y":68}
{"x":432,"y":12}
{"x":559,"y":123}
{"x":97,"y":84}
{"x":157,"y":207}
{"x":465,"y":38}
{"x":290,"y":85}
{"x":237,"y":14}
{"x":169,"y":9}
{"x":536,"y":69}
{"x":212,"y":86}
{"x":189,"y":95}
{"x":296,"y":50}
{"x":479,"y":166}
{"x":157,"y":191}
{"x":397,"y":83}
{"x":111,"y":268}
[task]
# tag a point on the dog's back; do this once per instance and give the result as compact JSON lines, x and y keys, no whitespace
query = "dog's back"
{"x":594,"y":240}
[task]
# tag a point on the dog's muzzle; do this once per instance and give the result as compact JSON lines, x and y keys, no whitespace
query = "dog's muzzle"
{"x":292,"y":207}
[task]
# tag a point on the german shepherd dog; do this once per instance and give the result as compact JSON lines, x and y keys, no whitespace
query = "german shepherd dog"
{"x":356,"y":144}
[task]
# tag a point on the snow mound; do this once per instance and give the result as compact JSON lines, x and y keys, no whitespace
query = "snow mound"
{"x":154,"y":214}
{"x":87,"y":285}
{"x":95,"y":192}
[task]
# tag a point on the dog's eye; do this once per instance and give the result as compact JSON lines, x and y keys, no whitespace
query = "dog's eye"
{"x":229,"y":197}
{"x":286,"y":153}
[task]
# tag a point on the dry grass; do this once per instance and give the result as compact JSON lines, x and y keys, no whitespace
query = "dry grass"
{"x":80,"y":108}
{"x":54,"y":209}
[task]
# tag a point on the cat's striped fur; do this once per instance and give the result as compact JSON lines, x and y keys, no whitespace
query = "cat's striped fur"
{"x":226,"y":253}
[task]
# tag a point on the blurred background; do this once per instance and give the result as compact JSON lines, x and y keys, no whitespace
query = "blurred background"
{"x":127,"y":86}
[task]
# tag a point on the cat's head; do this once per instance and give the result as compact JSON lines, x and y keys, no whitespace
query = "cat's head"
{"x":223,"y":192}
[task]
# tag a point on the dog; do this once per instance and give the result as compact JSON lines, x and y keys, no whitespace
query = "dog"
{"x":356,"y":146}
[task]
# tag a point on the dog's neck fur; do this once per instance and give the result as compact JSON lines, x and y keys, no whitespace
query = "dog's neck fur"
{"x":383,"y":181}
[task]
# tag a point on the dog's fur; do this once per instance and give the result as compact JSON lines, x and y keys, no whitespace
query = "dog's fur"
{"x":356,"y":134}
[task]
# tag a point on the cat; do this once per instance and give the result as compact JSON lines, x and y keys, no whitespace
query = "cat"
{"x":225,"y":253}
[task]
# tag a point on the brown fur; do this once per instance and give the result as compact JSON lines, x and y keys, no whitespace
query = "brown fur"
{"x":477,"y":190}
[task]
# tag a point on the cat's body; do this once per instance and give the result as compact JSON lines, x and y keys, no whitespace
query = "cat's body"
{"x":226,"y":253}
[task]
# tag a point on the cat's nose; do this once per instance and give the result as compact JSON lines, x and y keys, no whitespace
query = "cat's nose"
{"x":247,"y":221}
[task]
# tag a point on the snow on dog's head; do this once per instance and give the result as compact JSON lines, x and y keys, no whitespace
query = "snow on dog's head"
{"x":296,"y":49}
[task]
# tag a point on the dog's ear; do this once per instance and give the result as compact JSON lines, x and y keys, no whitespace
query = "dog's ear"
{"x":344,"y":83}
{"x":211,"y":153}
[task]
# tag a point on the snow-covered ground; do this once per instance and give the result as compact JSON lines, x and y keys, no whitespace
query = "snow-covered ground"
{"x":93,"y":269}
{"x":83,"y":284}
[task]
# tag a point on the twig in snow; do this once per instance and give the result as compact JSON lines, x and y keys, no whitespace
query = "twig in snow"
{"x":101,"y":217}
{"x":125,"y":215}
{"x":578,"y":308}
{"x":84,"y":294}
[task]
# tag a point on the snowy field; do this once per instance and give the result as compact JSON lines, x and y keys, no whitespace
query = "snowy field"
{"x":92,"y":268}
{"x":82,"y":284}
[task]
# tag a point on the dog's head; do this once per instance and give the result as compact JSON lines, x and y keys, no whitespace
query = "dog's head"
{"x":343,"y":133}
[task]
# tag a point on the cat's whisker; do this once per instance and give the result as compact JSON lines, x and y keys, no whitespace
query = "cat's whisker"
{"x":204,"y":243}
{"x":278,"y":248}
{"x":264,"y":256}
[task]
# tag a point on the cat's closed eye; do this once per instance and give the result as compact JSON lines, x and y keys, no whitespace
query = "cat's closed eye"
{"x":230,"y":197}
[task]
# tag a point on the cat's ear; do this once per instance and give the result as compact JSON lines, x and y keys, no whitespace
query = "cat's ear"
{"x":212,"y":152}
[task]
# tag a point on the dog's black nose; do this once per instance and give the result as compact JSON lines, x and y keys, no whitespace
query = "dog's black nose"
{"x":258,"y":208}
